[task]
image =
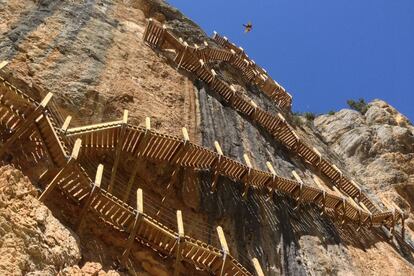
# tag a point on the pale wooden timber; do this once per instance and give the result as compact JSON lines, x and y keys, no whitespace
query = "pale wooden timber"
{"x":132,"y":234}
{"x":91,"y":197}
{"x":71,"y":161}
{"x":257,"y":267}
{"x":180,"y":240}
{"x":3,"y":64}
{"x":118,"y":150}
{"x":247,"y":175}
{"x":65,"y":125}
{"x":216,"y":169}
{"x":136,"y":166}
{"x":300,"y":187}
{"x":224,"y":247}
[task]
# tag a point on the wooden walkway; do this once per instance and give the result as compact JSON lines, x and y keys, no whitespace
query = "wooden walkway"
{"x":27,"y":127}
{"x":346,"y":201}
{"x":196,"y":59}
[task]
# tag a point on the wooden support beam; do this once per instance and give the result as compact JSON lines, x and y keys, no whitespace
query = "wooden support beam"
{"x":65,"y":125}
{"x":356,"y":206}
{"x":118,"y":150}
{"x":319,"y":155}
{"x":216,"y":167}
{"x":147,"y":123}
{"x":246,"y":178}
{"x":91,"y":197}
{"x":299,"y":197}
{"x":134,"y":172}
{"x":132,"y":234}
{"x":224,"y":247}
{"x":270,"y":168}
{"x":180,"y":237}
{"x":359,"y":189}
{"x":3,"y":64}
{"x":257,"y":267}
{"x":24,"y":126}
{"x":368,"y":211}
{"x":274,"y":181}
{"x":55,"y":180}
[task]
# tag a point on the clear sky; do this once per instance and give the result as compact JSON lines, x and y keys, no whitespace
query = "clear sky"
{"x":323,"y":52}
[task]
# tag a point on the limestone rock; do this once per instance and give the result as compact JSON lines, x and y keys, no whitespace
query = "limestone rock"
{"x":32,"y":241}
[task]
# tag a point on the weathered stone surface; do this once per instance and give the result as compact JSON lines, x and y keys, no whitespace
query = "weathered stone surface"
{"x":32,"y":241}
{"x":377,"y":147}
{"x":91,"y":55}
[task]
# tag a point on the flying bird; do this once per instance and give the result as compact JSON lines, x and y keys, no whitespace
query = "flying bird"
{"x":248,"y":27}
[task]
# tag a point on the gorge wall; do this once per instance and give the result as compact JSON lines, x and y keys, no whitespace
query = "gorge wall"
{"x":91,"y":55}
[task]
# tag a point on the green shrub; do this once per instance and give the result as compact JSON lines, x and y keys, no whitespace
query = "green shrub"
{"x":361,"y":106}
{"x":309,"y":116}
{"x":331,"y":112}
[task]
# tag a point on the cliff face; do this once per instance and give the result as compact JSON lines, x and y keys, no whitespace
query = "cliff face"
{"x":90,"y":54}
{"x":378,"y":147}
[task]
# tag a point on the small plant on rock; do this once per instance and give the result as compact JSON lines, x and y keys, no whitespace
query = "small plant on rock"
{"x":361,"y":106}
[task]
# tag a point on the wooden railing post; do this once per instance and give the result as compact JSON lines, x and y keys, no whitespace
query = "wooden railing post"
{"x":343,"y":204}
{"x":216,"y":167}
{"x":136,"y":165}
{"x":55,"y":180}
{"x":65,"y":125}
{"x":3,"y":64}
{"x":323,"y":194}
{"x":180,"y":239}
{"x":274,"y":179}
{"x":95,"y":187}
{"x":132,"y":234}
{"x":224,"y":247}
{"x":175,"y":159}
{"x":118,"y":150}
{"x":246,"y":178}
{"x":257,"y":267}
{"x":299,"y":197}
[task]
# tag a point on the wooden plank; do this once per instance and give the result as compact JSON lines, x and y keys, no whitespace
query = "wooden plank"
{"x":66,"y":124}
{"x":55,"y":180}
{"x":180,"y":238}
{"x":180,"y":225}
{"x":257,"y":267}
{"x":224,"y":248}
{"x":216,"y":168}
{"x":3,"y":64}
{"x":131,"y":237}
{"x":91,"y":197}
{"x":222,"y":240}
{"x":119,"y":144}
{"x":246,"y":179}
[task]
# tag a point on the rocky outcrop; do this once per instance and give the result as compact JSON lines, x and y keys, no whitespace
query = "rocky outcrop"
{"x":32,"y":240}
{"x":377,"y":147}
{"x":89,"y":269}
{"x":90,"y":54}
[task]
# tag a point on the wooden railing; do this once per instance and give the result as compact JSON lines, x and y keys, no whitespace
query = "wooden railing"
{"x":27,"y":125}
{"x":196,"y":59}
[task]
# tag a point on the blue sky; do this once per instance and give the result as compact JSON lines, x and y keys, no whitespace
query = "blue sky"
{"x":323,"y":51}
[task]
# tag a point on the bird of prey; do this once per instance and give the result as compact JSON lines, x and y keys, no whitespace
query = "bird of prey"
{"x":248,"y":27}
